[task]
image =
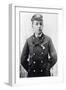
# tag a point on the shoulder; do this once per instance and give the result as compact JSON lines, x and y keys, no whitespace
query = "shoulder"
{"x":47,"y":38}
{"x":29,"y":39}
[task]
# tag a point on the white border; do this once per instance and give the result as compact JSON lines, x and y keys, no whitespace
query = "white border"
{"x":15,"y":46}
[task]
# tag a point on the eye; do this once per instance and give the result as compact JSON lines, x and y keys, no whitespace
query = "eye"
{"x":40,"y":23}
{"x":36,"y":23}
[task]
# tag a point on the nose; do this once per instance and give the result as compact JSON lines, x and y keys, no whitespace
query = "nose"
{"x":39,"y":25}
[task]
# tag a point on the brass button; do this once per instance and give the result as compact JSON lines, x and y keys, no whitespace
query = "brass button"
{"x":42,"y":53}
{"x":33,"y":53}
{"x":34,"y":62}
{"x":41,"y":61}
{"x":41,"y":70}
{"x":34,"y":70}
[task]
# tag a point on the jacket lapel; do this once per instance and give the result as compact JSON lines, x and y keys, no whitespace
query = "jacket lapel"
{"x":38,"y":41}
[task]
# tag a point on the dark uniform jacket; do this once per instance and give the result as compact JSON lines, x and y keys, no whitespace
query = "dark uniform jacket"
{"x":38,"y":56}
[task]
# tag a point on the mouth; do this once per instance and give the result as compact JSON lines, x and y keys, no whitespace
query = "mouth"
{"x":39,"y":29}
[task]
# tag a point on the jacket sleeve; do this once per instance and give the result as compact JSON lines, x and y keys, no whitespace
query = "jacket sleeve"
{"x":52,"y":54}
{"x":24,"y":56}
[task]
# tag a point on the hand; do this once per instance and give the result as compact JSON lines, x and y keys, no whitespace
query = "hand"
{"x":47,"y":66}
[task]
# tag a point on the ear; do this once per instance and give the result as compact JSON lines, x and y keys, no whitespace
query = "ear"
{"x":32,"y":24}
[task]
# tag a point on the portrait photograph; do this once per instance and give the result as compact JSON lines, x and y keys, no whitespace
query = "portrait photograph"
{"x":35,"y":44}
{"x":38,"y":44}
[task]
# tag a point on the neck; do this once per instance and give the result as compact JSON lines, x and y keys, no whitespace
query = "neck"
{"x":38,"y":35}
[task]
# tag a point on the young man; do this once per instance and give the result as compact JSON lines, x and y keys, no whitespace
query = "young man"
{"x":39,"y":54}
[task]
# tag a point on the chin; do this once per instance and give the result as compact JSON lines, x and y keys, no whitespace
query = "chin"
{"x":39,"y":32}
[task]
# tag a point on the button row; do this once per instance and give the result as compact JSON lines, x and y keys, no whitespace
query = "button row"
{"x":34,"y":62}
{"x":40,"y":70}
{"x":35,"y":54}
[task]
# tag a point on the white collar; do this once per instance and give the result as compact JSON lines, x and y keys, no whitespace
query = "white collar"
{"x":38,"y":35}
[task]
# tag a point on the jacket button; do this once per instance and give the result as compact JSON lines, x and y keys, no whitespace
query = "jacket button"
{"x":33,"y":53}
{"x":34,"y":62}
{"x":34,"y":70}
{"x":41,"y":61}
{"x":41,"y":70}
{"x":42,"y":53}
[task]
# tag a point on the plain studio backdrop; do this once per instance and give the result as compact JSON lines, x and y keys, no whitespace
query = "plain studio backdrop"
{"x":50,"y":28}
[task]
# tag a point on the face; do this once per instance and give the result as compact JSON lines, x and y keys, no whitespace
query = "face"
{"x":37,"y":26}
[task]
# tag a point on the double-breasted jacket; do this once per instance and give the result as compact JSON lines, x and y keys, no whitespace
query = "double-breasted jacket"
{"x":38,"y":56}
